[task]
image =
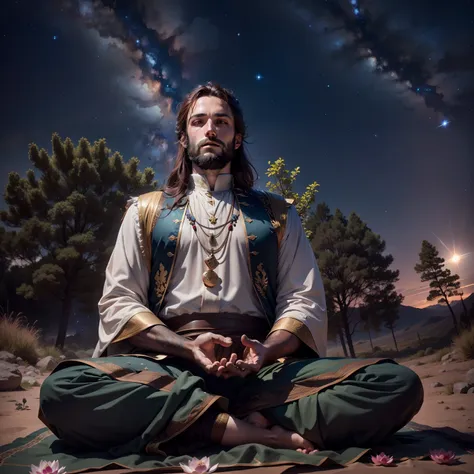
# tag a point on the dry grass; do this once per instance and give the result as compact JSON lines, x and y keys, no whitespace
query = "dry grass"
{"x":464,"y":343}
{"x":49,"y":351}
{"x":441,"y":353}
{"x":18,"y":337}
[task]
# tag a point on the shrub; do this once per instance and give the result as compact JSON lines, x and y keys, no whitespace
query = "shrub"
{"x":49,"y":351}
{"x":18,"y":337}
{"x":464,"y":343}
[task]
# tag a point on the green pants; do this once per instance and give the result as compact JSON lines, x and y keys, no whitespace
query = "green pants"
{"x":129,"y":404}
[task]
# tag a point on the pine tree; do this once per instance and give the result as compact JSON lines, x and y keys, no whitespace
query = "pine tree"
{"x":66,"y":217}
{"x":443,"y":284}
{"x":354,"y":268}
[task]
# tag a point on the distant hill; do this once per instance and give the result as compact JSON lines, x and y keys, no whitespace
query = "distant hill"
{"x":427,"y":320}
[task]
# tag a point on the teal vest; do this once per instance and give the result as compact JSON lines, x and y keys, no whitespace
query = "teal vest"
{"x":261,"y":231}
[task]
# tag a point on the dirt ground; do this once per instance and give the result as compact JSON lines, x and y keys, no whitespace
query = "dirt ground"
{"x":441,"y":408}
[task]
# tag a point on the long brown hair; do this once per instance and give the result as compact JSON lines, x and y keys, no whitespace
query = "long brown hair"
{"x":243,"y":171}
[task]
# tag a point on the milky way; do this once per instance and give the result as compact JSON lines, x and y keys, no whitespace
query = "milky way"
{"x":156,"y":38}
{"x":443,"y":84}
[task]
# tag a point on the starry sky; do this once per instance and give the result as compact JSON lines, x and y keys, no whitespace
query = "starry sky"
{"x":374,"y":99}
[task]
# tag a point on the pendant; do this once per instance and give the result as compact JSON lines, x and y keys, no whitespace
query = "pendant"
{"x":213,"y":220}
{"x":211,"y":262}
{"x":212,"y":240}
{"x":210,"y":279}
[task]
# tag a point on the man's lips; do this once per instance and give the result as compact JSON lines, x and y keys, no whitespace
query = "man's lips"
{"x":210,"y":144}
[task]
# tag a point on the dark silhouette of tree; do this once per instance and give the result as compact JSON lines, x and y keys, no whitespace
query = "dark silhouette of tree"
{"x":65,"y":218}
{"x":354,"y":267}
{"x":443,"y":284}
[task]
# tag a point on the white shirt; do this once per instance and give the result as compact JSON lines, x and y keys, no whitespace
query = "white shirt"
{"x":300,"y":293}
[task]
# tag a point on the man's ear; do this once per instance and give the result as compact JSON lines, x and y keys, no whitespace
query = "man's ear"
{"x":238,"y":141}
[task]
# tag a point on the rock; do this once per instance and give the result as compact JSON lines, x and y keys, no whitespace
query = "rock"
{"x":30,"y":380}
{"x":436,"y":385}
{"x":47,"y":363}
{"x":446,"y":357}
{"x":10,"y":378}
{"x":70,"y":354}
{"x":19,"y":360}
{"x":7,"y":356}
{"x":440,"y":402}
{"x":442,"y":371}
{"x":8,"y":366}
{"x":470,"y":377}
{"x":429,"y":351}
{"x":62,"y":357}
{"x":460,"y":387}
{"x":470,"y":390}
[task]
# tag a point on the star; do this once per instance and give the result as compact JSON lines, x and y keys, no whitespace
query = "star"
{"x":238,"y":34}
{"x":55,"y":37}
{"x":259,"y":77}
{"x":444,"y":123}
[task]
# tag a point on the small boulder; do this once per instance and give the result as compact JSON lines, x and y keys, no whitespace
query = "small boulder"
{"x":442,"y":371}
{"x":7,"y":356}
{"x":460,"y":387}
{"x":436,"y":385}
{"x":9,"y":379}
{"x":19,"y":360}
{"x":470,"y":377}
{"x":30,"y":381}
{"x":470,"y":390}
{"x":429,"y":351}
{"x":62,"y":357}
{"x":446,"y":357}
{"x":47,"y":363}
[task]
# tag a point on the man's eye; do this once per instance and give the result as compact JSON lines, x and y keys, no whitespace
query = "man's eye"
{"x":221,"y":122}
{"x":197,"y":122}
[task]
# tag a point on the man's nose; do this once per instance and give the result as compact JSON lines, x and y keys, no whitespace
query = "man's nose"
{"x":210,"y":129}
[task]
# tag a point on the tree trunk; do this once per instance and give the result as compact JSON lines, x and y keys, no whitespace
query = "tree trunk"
{"x":343,"y":343}
{"x":455,"y":321}
{"x":347,"y":331}
{"x":64,"y":321}
{"x":394,"y":340}
{"x":370,"y":338}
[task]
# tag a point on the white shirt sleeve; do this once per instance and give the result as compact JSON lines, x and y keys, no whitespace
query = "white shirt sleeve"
{"x":300,"y":286}
{"x":126,"y":284}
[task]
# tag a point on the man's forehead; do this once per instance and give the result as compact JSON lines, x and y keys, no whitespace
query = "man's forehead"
{"x":210,"y":106}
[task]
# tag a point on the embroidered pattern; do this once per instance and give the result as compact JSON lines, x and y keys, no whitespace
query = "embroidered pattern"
{"x":254,"y":253}
{"x":252,"y":237}
{"x":261,"y":280}
{"x":173,"y":238}
{"x":160,"y":281}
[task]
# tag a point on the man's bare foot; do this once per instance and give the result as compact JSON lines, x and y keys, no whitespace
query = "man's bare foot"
{"x":257,"y":419}
{"x":290,"y":440}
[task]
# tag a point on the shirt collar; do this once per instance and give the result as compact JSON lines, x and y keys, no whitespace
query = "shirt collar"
{"x":199,"y":182}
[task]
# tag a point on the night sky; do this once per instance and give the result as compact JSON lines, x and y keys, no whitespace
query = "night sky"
{"x":372,"y":99}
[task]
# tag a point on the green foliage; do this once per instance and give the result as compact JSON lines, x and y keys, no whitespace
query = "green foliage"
{"x":23,"y":405}
{"x":282,"y":181}
{"x":443,"y":284}
{"x":354,"y":267}
{"x":65,"y":216}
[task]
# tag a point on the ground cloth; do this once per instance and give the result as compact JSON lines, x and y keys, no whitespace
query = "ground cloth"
{"x":414,"y":441}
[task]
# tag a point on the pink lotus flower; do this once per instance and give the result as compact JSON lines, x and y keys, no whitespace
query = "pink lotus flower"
{"x":47,"y":467}
{"x":198,"y":466}
{"x":440,"y":456}
{"x":382,"y":460}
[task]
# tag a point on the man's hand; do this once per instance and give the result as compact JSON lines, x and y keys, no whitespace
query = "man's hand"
{"x":203,"y":350}
{"x":255,"y":355}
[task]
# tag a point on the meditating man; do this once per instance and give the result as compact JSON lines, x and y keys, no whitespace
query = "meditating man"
{"x":213,"y":324}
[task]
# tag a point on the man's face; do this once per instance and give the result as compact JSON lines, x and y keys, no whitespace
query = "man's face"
{"x":211,"y":139}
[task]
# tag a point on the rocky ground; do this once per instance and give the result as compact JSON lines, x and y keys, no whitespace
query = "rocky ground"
{"x":448,"y":384}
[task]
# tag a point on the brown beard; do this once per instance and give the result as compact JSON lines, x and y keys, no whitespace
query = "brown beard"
{"x":212,"y":160}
